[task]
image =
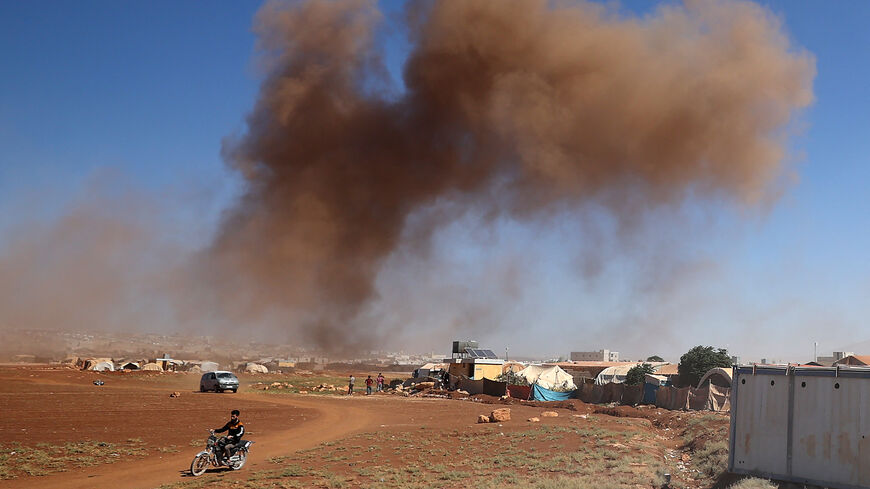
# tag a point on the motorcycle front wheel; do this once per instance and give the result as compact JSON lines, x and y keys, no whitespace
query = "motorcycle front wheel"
{"x":199,"y":464}
{"x":238,"y":464}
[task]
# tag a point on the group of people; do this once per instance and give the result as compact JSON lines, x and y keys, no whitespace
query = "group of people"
{"x":379,"y":381}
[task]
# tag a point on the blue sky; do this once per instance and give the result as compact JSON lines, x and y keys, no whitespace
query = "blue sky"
{"x":149,"y":90}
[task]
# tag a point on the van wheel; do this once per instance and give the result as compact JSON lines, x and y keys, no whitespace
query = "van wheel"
{"x":235,"y":390}
{"x":201,"y":388}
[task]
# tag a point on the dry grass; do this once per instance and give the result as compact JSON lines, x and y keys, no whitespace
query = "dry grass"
{"x":18,"y":460}
{"x":543,"y":457}
{"x":753,"y":483}
{"x":706,"y":438}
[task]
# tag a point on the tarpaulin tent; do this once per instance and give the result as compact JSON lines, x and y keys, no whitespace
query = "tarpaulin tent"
{"x":519,"y":391}
{"x":698,"y":399}
{"x":720,"y":398}
{"x":541,"y":394}
{"x":471,"y":386}
{"x":712,"y":398}
{"x":675,"y":399}
{"x":552,"y":378}
{"x":590,"y":393}
{"x":152,"y":366}
{"x":649,"y":393}
{"x":612,"y":392}
{"x":494,"y":388}
{"x":633,"y":395}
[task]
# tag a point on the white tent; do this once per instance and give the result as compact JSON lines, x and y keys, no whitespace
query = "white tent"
{"x":552,"y":378}
{"x":103,"y":366}
{"x":209,"y":366}
{"x":617,"y":373}
{"x":256,"y":368}
{"x":152,"y":366}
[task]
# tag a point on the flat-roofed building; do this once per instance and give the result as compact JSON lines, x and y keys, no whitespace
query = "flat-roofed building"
{"x":595,"y":356}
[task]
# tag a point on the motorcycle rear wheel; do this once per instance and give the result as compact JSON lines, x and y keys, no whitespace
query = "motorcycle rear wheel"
{"x":199,"y":464}
{"x":243,"y":457}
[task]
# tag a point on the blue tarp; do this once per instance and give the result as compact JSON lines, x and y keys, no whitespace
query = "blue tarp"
{"x":541,"y":394}
{"x":649,"y":393}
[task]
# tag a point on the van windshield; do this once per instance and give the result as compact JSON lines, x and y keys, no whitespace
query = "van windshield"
{"x":225,"y":376}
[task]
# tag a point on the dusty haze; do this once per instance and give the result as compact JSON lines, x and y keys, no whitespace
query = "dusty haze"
{"x":513,"y":109}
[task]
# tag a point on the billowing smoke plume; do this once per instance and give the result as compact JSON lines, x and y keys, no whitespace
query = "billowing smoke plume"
{"x":517,"y":108}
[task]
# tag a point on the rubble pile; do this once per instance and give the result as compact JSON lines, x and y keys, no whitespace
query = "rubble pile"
{"x":263,"y":386}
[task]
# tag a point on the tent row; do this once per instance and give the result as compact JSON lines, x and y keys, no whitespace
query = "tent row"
{"x":554,"y":384}
{"x":109,"y":365}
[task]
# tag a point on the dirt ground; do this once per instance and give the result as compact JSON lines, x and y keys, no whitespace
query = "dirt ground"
{"x":330,"y":436}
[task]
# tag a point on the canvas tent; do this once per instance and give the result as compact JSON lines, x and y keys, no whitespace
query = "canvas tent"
{"x":103,"y":367}
{"x":618,"y":373}
{"x":717,"y":376}
{"x":256,"y":368}
{"x":152,"y":366}
{"x":209,"y":366}
{"x":711,"y":398}
{"x":91,"y":363}
{"x":550,"y":378}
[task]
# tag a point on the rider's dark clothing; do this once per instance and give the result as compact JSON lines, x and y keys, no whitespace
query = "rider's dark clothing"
{"x":235,"y":429}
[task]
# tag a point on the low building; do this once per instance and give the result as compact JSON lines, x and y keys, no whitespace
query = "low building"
{"x":595,"y":356}
{"x":855,"y":360}
{"x":475,"y":368}
{"x":828,"y":361}
{"x":476,"y":364}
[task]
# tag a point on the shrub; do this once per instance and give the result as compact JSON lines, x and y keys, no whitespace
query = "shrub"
{"x":636,"y":375}
{"x":512,"y":378}
{"x":753,"y":483}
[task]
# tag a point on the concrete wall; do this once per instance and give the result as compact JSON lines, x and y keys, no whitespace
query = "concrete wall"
{"x":802,"y":424}
{"x":484,"y":371}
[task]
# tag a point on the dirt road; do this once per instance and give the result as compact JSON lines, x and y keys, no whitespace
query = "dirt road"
{"x":51,"y":407}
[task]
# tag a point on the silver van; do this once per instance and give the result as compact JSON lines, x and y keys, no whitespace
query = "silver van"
{"x":219,"y":381}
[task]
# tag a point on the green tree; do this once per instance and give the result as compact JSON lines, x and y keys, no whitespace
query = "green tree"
{"x":697,"y":361}
{"x":636,"y":374}
{"x":655,"y":358}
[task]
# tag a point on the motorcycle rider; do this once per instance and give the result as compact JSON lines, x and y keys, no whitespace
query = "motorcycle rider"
{"x":235,"y":430}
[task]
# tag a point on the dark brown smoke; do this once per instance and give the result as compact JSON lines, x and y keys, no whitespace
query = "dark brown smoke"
{"x":516,"y":108}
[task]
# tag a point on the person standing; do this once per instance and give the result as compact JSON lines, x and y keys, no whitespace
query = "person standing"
{"x":369,"y":383}
{"x":350,"y":383}
{"x":380,"y":385}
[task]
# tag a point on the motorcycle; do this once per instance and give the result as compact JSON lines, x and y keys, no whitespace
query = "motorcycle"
{"x":213,"y":455}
